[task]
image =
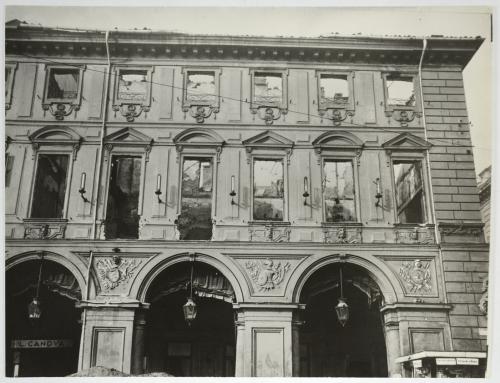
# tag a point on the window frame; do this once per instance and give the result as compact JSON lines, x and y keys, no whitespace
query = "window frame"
{"x":410,"y":157}
{"x":9,"y":84}
{"x":389,"y":108}
{"x":344,"y":157}
{"x":186,"y":104}
{"x":350,"y":105}
{"x":117,"y":71}
{"x":77,"y":101}
{"x":283,"y":72}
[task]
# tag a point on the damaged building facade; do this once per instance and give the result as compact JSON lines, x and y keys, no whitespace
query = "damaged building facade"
{"x":241,"y":206}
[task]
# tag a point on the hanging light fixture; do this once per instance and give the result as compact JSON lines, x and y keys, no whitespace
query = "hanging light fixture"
{"x":34,"y":308}
{"x":342,"y":308}
{"x":189,"y":308}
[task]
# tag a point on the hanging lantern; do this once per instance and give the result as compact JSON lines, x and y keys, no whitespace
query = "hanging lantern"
{"x":34,"y":309}
{"x":189,"y":308}
{"x":342,"y":309}
{"x":190,"y":311}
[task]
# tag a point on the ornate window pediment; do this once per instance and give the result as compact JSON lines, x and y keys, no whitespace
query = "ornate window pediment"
{"x":127,"y":138}
{"x":63,"y":89}
{"x":132,"y":91}
{"x":337,"y":143}
{"x":402,"y":96}
{"x":268,"y":140}
{"x":406,"y":142}
{"x":269,"y":93}
{"x":58,"y":138}
{"x":335,"y":95}
{"x":201,"y":92}
{"x":10,"y":71}
{"x":199,"y":140}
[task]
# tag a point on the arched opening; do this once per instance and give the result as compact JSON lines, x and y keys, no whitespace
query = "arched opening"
{"x":330,"y":349}
{"x":48,"y":345}
{"x":204,"y":347}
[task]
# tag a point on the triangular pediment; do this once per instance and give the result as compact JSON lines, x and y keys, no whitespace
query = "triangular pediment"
{"x":338,"y":139}
{"x":406,"y":141}
{"x":128,"y":136}
{"x":55,"y":133}
{"x":196,"y":136}
{"x":268,"y":139}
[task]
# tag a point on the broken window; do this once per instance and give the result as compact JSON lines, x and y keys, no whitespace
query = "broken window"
{"x":268,"y":89}
{"x":63,"y":83}
{"x":201,"y":88}
{"x":268,"y":190}
{"x":122,"y":218}
{"x":409,"y":191}
{"x":133,"y":85}
{"x":338,"y":188}
{"x":9,"y":164}
{"x":50,"y":186}
{"x":334,"y":89}
{"x":195,"y":220}
{"x":400,"y":90}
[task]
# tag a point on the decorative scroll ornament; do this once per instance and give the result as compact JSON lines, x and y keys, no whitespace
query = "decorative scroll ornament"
{"x":42,"y":229}
{"x":265,"y":274}
{"x":417,"y":276}
{"x":483,"y":302}
{"x":270,"y":233}
{"x":115,"y":270}
{"x":268,"y":114}
{"x":201,"y":112}
{"x":342,"y":235}
{"x":60,"y":109}
{"x":416,"y":235}
{"x":336,"y":115}
{"x":131,"y":111}
{"x":404,"y":117}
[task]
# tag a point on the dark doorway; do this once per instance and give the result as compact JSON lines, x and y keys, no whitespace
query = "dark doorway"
{"x":327,"y":349}
{"x":47,"y":346}
{"x":207,"y":346}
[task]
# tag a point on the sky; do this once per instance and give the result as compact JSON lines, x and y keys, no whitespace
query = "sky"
{"x":309,"y":21}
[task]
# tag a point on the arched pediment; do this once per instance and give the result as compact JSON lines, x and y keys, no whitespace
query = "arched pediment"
{"x":406,"y":141}
{"x":268,"y":139}
{"x":339,"y":139}
{"x":55,"y":134}
{"x":195,"y":136}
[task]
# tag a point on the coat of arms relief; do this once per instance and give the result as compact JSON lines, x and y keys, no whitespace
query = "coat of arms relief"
{"x":115,"y":270}
{"x":267,"y":274}
{"x":417,"y":276}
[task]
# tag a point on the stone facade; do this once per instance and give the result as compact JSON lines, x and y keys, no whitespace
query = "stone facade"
{"x":429,"y":273}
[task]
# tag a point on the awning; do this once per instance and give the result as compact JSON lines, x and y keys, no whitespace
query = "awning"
{"x":446,"y":357}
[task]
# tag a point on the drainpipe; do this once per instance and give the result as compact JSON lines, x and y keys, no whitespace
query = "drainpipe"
{"x":428,"y":158}
{"x":86,"y":296}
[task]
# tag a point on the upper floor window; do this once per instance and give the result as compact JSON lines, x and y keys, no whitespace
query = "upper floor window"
{"x":50,"y":186}
{"x":201,"y":93}
{"x":338,"y":188}
{"x":335,"y":95}
{"x":268,"y":88}
{"x":63,"y":83}
{"x":10,"y":69}
{"x":409,"y":191}
{"x":133,"y":85}
{"x":268,"y":190}
{"x":400,"y":90}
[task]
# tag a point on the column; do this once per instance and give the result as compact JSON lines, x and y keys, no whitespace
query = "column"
{"x":139,"y":343}
{"x":240,"y":346}
{"x":394,"y":369}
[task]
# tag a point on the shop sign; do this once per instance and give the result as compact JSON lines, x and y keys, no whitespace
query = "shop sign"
{"x":446,"y":361}
{"x":417,"y":363}
{"x":41,"y":343}
{"x":468,"y":361}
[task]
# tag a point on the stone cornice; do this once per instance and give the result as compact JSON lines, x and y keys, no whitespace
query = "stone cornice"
{"x":31,"y":40}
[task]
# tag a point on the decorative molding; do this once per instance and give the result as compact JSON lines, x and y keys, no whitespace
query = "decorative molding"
{"x":483,"y":302}
{"x":115,"y":270}
{"x":269,"y":111}
{"x":406,"y":142}
{"x":44,"y":228}
{"x":404,"y":117}
{"x":335,"y":111}
{"x":62,"y":136}
{"x":128,"y":138}
{"x":201,"y":108}
{"x":199,"y":141}
{"x":414,"y":235}
{"x":342,"y":234}
{"x":416,"y":276}
{"x":131,"y":109}
{"x":269,"y":233}
{"x":404,"y":114}
{"x":338,"y":143}
{"x":268,"y":140}
{"x":465,"y":229}
{"x":266,"y":275}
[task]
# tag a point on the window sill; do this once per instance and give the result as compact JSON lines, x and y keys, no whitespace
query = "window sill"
{"x":268,"y":223}
{"x":337,"y":224}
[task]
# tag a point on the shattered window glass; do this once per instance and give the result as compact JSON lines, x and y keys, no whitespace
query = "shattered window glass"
{"x":201,"y":87}
{"x":122,"y":218}
{"x":268,"y":88}
{"x":400,"y":90}
{"x":334,"y":89}
{"x":195,"y":220}
{"x":268,"y":190}
{"x":133,"y":85}
{"x":409,"y":191}
{"x":338,"y":186}
{"x":63,"y":83}
{"x":50,"y":186}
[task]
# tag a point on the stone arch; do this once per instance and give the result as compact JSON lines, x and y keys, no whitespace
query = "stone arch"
{"x":155,"y":267}
{"x":198,"y":136}
{"x":74,"y":266}
{"x":55,"y":133}
{"x":375,"y":268}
